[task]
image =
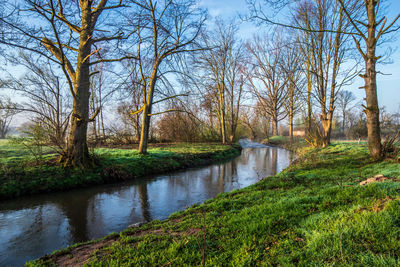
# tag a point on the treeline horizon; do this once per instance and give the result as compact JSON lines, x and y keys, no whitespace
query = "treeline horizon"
{"x":124,"y":72}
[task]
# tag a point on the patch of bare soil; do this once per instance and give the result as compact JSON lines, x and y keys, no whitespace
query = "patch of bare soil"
{"x":79,"y":255}
{"x":376,"y":179}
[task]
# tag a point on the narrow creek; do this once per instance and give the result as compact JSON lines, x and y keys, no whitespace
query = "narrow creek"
{"x":33,"y":226}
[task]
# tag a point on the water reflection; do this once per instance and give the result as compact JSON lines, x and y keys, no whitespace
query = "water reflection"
{"x":33,"y":226}
{"x":144,"y":202}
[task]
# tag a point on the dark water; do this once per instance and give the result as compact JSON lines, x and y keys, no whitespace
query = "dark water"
{"x":31,"y":227}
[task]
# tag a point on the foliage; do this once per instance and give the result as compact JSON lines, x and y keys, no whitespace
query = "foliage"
{"x":313,"y":213}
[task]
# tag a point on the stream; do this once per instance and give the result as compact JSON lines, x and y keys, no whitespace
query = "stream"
{"x":33,"y":226}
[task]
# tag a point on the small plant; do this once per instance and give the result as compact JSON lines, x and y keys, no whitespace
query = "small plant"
{"x":389,"y":148}
{"x":314,"y":136}
{"x":34,"y":140}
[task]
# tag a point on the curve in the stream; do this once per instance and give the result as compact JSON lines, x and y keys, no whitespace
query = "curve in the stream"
{"x":33,"y":226}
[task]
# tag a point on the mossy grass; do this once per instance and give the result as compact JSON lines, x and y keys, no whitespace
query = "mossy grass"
{"x":20,"y":174}
{"x":314,"y":213}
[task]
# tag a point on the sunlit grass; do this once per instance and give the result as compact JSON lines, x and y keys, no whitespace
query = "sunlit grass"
{"x":312,"y":214}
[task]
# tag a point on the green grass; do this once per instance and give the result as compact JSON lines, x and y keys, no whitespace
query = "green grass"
{"x":284,"y":141}
{"x":312,"y":214}
{"x":21,"y":175}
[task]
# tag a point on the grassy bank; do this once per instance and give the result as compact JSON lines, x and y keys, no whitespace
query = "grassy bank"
{"x":313,"y":213}
{"x":284,"y":141}
{"x":21,"y":174}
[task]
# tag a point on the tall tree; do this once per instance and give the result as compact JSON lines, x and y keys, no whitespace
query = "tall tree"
{"x":162,"y":30}
{"x":344,"y":100}
{"x":291,"y":65}
{"x":220,"y":73}
{"x":46,"y":100}
{"x":267,"y":78}
{"x":368,"y":32}
{"x":68,"y":33}
{"x":302,"y":18}
{"x":369,"y":26}
{"x":326,"y":23}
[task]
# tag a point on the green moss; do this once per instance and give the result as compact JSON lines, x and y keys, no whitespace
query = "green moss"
{"x":313,"y":213}
{"x":19,"y":175}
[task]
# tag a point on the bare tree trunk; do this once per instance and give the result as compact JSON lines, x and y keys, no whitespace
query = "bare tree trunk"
{"x":372,"y":109}
{"x":275,"y":126}
{"x":344,"y":122}
{"x":309,"y":89}
{"x":93,"y":109}
{"x":137,"y":130}
{"x":77,"y":151}
{"x":267,"y":128}
{"x":223,"y":130}
{"x":371,"y":40}
{"x":327,"y":129}
{"x":291,"y":126}
{"x":222,"y":113}
{"x":144,"y":134}
{"x":231,"y":138}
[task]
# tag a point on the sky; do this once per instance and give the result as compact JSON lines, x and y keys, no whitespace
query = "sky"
{"x":388,"y":84}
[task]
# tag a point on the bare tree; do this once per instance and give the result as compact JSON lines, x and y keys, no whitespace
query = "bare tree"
{"x":368,"y":32}
{"x":248,"y":118}
{"x":291,"y":65}
{"x":235,"y":87}
{"x":344,"y":100}
{"x":266,"y":77}
{"x":162,"y":31}
{"x":369,"y":28}
{"x":68,"y":33}
{"x":96,"y":101}
{"x":46,"y":99}
{"x":7,"y":113}
{"x":133,"y":90}
{"x":221,"y":77}
{"x":301,"y":17}
{"x":326,"y":23}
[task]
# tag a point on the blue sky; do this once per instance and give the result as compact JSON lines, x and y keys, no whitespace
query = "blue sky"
{"x":388,"y":85}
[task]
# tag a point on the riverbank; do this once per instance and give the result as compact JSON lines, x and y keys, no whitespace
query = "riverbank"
{"x":313,"y":213}
{"x":284,"y":142}
{"x":21,"y":174}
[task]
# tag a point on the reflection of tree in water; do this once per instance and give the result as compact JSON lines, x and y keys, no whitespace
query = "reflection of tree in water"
{"x":144,"y":201}
{"x":263,"y":159}
{"x":274,"y":161}
{"x":76,"y":210}
{"x":234,"y":171}
{"x":246,"y":155}
{"x":221,"y":177}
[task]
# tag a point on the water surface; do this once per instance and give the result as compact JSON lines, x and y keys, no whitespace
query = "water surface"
{"x":31,"y":227}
